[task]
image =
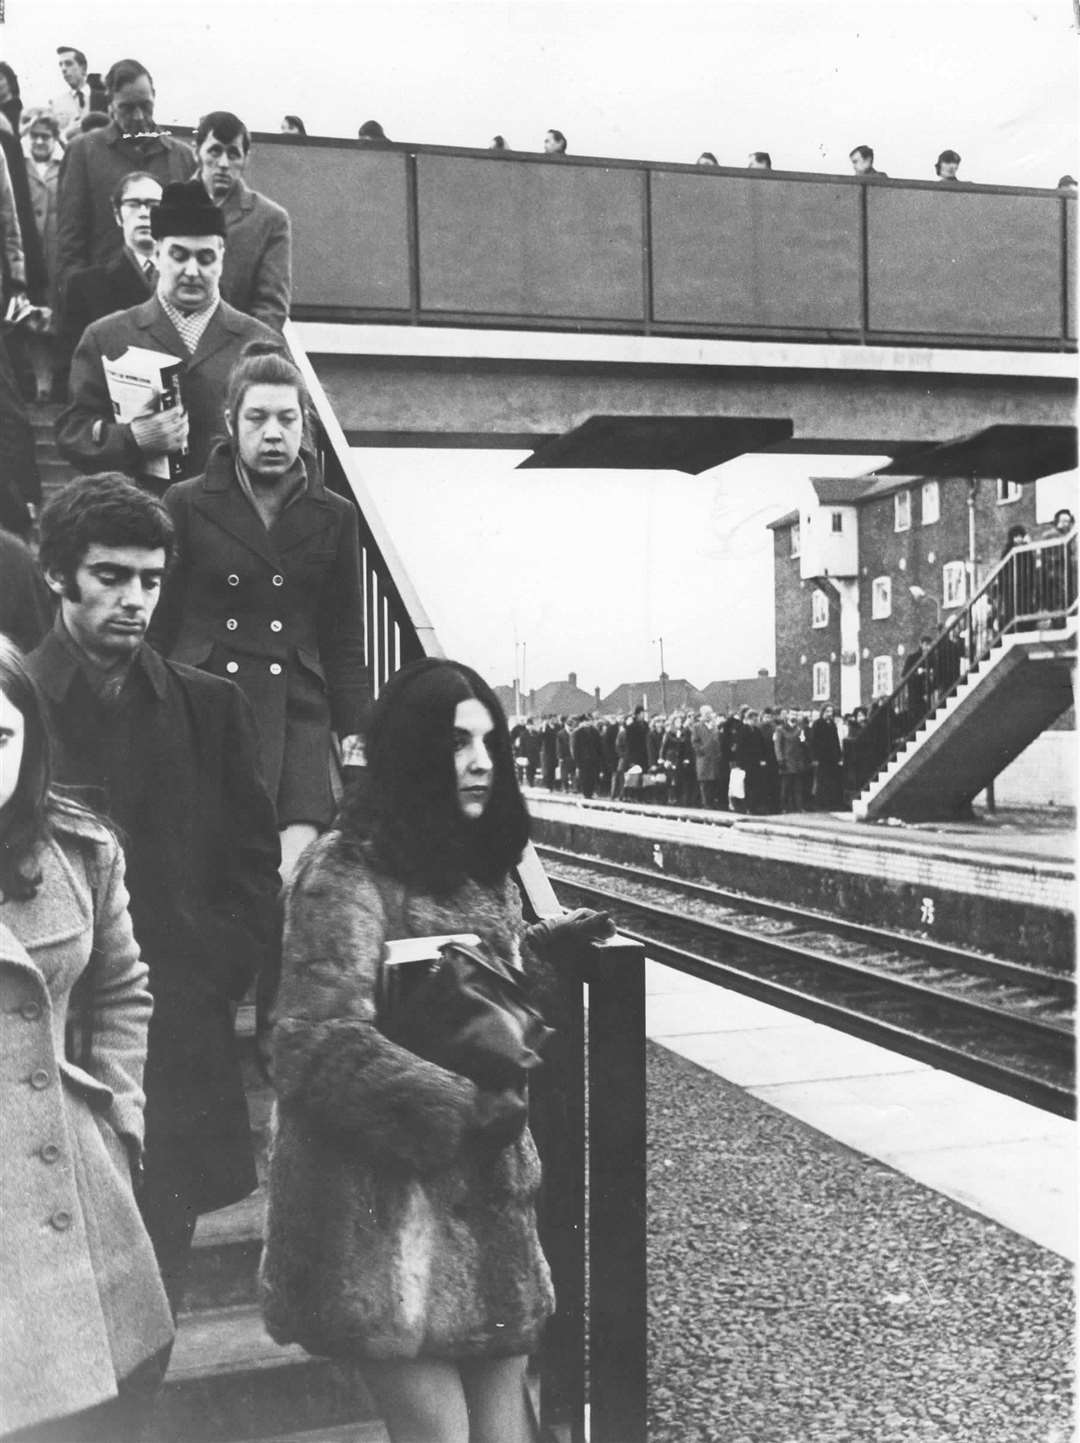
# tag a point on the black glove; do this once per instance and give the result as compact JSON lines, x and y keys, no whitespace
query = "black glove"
{"x":568,"y":937}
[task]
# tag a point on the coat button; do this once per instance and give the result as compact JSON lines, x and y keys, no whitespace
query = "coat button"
{"x":275,"y":668}
{"x":275,"y":626}
{"x":49,"y":1152}
{"x":61,"y":1220}
{"x":278,"y":580}
{"x":232,"y":667}
{"x":231,"y":624}
{"x":31,"y":1011}
{"x":233,"y":579}
{"x":39,"y":1079}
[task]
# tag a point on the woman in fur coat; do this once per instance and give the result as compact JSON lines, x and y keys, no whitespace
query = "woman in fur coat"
{"x":84,"y":1321}
{"x":401,"y":1224}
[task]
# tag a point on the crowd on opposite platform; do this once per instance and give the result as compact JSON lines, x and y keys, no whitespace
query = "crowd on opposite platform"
{"x":759,"y":762}
{"x":791,"y":759}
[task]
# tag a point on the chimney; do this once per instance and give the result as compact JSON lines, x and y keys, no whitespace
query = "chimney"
{"x":596,"y":694}
{"x":573,"y":678}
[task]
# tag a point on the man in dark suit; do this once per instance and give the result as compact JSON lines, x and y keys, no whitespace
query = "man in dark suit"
{"x":95,"y":163}
{"x":130,"y":278}
{"x":185,"y":318}
{"x":257,"y":276}
{"x":168,"y":753}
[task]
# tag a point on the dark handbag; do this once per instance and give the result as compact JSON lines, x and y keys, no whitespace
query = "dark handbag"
{"x":465,"y":1010}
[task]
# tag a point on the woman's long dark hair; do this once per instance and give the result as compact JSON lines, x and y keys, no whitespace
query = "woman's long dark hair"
{"x":25,"y":820}
{"x":406,"y":814}
{"x":36,"y":809}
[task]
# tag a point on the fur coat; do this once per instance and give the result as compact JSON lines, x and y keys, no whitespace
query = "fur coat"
{"x":393,"y":1229}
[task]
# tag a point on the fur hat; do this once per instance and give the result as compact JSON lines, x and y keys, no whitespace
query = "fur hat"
{"x":186,"y":209}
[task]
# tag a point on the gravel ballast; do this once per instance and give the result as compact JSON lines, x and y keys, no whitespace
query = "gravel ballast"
{"x":800,"y":1292}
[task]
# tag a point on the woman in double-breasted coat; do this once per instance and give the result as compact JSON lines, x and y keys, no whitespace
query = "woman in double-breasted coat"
{"x":82,"y":1305}
{"x":267,"y":591}
{"x":401,"y":1228}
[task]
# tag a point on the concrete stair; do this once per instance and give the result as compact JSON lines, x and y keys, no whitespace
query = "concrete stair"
{"x":1000,"y":707}
{"x":227,"y":1380}
{"x":55,"y":472}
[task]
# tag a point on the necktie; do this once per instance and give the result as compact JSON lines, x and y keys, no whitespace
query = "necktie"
{"x":80,"y":96}
{"x":150,"y":272}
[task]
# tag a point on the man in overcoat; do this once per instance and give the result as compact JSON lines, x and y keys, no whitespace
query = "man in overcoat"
{"x":187,"y":319}
{"x":127,"y":280}
{"x":257,"y":277}
{"x":95,"y":163}
{"x":169,"y":754}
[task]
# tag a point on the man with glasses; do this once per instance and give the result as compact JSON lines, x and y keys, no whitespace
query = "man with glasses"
{"x":185,"y":318}
{"x":130,"y":277}
{"x":95,"y":163}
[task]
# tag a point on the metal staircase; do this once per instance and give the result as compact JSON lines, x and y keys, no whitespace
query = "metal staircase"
{"x":997,"y":676}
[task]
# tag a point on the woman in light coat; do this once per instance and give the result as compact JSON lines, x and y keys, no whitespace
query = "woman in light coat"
{"x":83,"y":1315}
{"x":401,"y":1219}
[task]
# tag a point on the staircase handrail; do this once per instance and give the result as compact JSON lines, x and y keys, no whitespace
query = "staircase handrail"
{"x":1032,"y":581}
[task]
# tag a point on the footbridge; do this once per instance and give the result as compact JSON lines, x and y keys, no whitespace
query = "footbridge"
{"x":611,"y":312}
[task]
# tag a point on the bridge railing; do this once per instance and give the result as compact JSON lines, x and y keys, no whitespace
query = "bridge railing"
{"x":591,"y":1105}
{"x":1031,"y":588}
{"x":430,"y":235}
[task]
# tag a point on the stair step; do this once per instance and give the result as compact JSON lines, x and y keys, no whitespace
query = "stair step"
{"x":223,"y":1271}
{"x":229,"y":1381}
{"x":347,"y":1433}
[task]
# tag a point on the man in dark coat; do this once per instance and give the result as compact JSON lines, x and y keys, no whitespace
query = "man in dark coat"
{"x":25,"y":609}
{"x":257,"y":278}
{"x":95,"y":163}
{"x":129,"y":278}
{"x":187,"y":319}
{"x":168,"y":753}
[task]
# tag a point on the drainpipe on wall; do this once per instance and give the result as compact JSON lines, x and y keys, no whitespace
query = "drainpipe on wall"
{"x":850,"y":671}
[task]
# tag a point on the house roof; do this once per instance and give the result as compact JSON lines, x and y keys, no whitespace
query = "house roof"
{"x":628,"y":694}
{"x":660,"y":443}
{"x":789,"y":518}
{"x":561,"y":698}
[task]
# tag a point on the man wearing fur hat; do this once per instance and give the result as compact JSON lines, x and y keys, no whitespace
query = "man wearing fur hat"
{"x":185,"y":318}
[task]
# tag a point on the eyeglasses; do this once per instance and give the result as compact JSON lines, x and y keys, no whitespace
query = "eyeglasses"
{"x":139,"y":202}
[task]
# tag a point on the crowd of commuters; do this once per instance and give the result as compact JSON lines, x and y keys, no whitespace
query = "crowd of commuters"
{"x":754,"y":761}
{"x":791,"y":759}
{"x":184,"y":698}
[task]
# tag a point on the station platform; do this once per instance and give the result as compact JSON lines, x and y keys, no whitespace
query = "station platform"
{"x":1007,"y":890}
{"x":1003,"y":1159}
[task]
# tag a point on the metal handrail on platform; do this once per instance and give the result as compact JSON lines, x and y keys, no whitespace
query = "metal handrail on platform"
{"x":592,"y":1101}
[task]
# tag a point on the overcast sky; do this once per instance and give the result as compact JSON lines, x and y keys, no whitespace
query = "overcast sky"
{"x":589,"y":568}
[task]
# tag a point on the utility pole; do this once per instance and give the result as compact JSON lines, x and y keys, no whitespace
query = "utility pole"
{"x":663,"y":676}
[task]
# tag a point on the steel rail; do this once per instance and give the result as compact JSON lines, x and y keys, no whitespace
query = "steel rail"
{"x":924,"y":948}
{"x":991,"y":1072}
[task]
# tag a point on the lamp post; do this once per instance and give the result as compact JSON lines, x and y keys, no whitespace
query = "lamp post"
{"x":921,"y":594}
{"x":663,"y":675}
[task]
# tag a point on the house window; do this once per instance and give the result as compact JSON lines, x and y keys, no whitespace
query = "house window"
{"x":819,"y":608}
{"x":931,"y":503}
{"x":795,"y":540}
{"x":837,"y":522}
{"x":883,"y":682}
{"x":821,"y":681}
{"x":953,"y":583}
{"x":881,"y":597}
{"x":1008,"y":492}
{"x":902,"y":511}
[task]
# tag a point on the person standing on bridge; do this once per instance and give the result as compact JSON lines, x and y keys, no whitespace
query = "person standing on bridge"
{"x":256,"y":277}
{"x":267,"y":591}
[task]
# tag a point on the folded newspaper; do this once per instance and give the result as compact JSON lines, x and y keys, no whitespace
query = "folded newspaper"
{"x":141,"y":383}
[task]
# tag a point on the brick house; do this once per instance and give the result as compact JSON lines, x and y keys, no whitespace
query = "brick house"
{"x":867,"y":565}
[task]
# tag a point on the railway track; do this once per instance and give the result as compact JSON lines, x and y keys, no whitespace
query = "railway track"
{"x":1006,"y":1025}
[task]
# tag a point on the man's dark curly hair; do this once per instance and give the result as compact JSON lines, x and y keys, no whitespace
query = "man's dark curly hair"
{"x":103,"y":510}
{"x":406,"y":815}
